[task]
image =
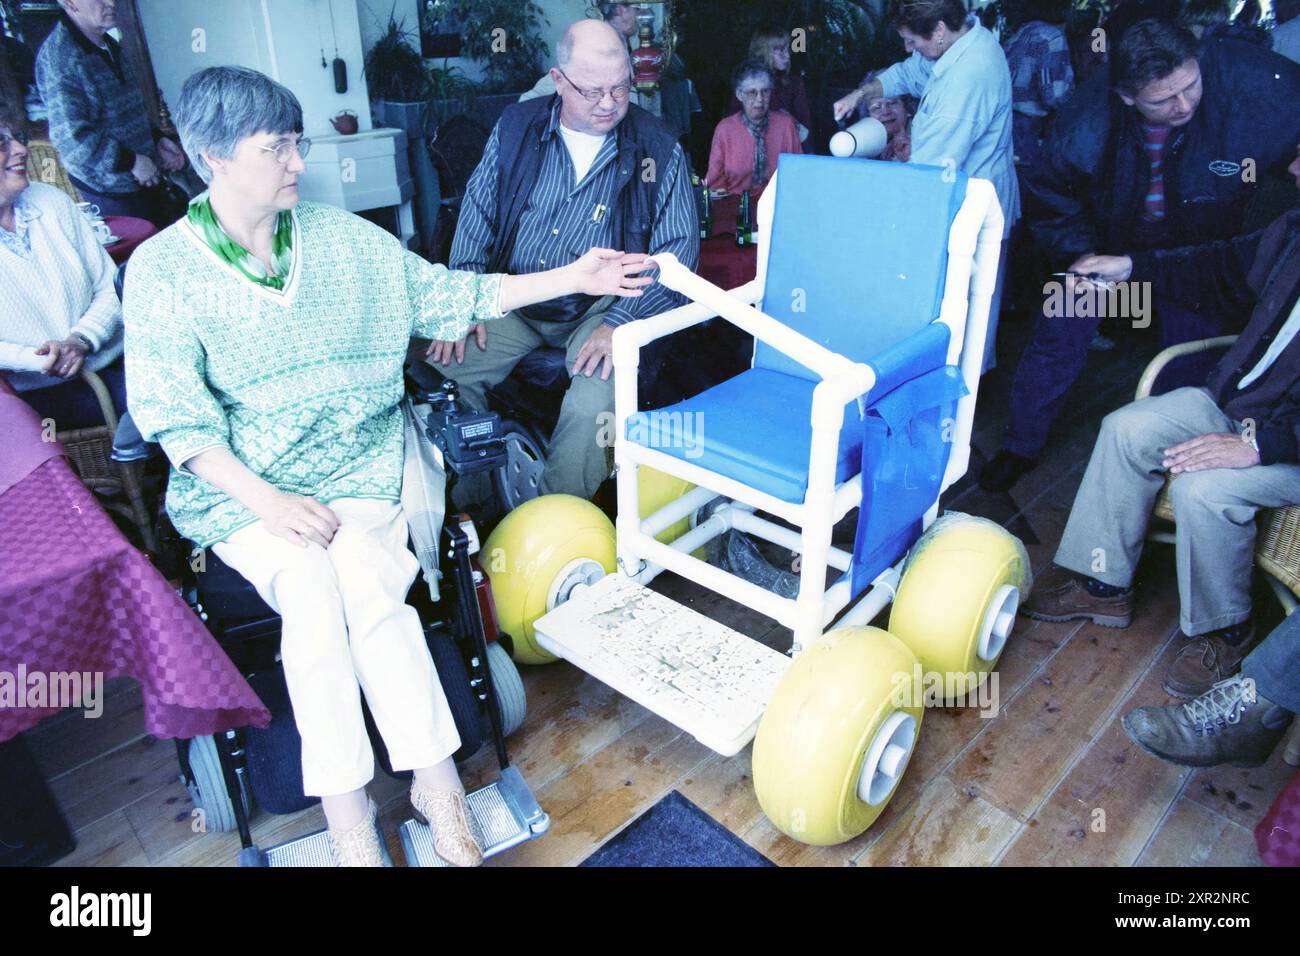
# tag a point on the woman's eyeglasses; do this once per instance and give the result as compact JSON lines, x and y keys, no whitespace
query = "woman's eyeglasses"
{"x":754,"y":94}
{"x":7,"y":137}
{"x":618,"y":94}
{"x":284,"y":151}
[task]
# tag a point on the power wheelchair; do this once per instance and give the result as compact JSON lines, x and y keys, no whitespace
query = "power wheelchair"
{"x":229,"y":774}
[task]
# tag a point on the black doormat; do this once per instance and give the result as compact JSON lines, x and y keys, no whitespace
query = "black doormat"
{"x":675,"y":832}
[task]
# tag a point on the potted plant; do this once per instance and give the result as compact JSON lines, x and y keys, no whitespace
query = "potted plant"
{"x":504,"y":36}
{"x":395,"y":74}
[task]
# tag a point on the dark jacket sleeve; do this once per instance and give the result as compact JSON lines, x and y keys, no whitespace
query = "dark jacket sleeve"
{"x":1056,"y":188}
{"x":1279,"y":438}
{"x":1212,"y":279}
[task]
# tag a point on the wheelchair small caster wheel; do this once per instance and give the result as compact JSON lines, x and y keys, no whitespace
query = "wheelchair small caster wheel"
{"x":208,"y":789}
{"x":837,"y":736}
{"x":957,"y":602}
{"x":511,"y":699}
{"x":537,"y":555}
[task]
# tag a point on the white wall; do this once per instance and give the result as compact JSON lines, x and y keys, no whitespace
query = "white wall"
{"x":282,"y":38}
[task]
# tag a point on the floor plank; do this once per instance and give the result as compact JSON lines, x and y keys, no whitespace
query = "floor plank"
{"x":1194,"y":835}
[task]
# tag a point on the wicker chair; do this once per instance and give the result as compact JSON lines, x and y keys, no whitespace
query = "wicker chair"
{"x":45,"y":166}
{"x":1277,"y":544}
{"x":89,"y":452}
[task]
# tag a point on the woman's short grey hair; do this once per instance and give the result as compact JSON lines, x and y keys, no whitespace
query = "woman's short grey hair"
{"x":222,"y":105}
{"x":751,"y":68}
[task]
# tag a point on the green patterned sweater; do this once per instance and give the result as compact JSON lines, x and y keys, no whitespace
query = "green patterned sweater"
{"x":302,"y":386}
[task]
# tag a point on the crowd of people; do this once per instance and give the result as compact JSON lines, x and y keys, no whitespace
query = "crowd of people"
{"x":1144,"y":170}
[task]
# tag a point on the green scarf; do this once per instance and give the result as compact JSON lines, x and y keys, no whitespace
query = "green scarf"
{"x":204,"y":220}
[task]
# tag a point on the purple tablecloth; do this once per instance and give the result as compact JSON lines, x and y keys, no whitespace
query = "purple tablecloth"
{"x":76,"y":597}
{"x":131,"y":233}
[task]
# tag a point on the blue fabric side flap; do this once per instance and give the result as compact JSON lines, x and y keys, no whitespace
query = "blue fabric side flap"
{"x":904,"y":403}
{"x":907,"y":438}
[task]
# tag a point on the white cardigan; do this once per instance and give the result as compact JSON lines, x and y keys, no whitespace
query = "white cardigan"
{"x":63,"y":285}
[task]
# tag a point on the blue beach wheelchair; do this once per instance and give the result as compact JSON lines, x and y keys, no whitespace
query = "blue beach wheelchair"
{"x":869,"y":315}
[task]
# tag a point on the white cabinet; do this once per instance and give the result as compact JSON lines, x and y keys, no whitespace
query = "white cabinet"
{"x":364,"y":171}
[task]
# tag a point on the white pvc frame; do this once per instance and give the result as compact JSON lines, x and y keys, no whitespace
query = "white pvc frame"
{"x":974,"y":246}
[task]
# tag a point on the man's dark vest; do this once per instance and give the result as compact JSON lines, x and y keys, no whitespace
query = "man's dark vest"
{"x":641,"y":136}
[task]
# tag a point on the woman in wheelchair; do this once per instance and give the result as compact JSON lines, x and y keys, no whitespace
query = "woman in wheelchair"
{"x":266,"y":339}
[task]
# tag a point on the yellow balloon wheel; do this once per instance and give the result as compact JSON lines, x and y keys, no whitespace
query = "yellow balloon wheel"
{"x":837,"y":736}
{"x":535,"y":547}
{"x":957,"y":601}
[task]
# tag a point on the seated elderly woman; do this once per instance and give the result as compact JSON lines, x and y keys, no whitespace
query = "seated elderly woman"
{"x":895,"y":114}
{"x":60,"y":312}
{"x":265,"y":341}
{"x":746,"y":144}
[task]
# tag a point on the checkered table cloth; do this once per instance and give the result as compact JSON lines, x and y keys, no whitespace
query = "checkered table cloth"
{"x":76,"y":596}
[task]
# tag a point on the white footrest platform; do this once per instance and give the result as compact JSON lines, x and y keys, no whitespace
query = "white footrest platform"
{"x":707,"y":679}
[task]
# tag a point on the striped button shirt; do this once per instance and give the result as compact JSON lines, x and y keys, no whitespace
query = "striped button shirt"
{"x":565,"y":218}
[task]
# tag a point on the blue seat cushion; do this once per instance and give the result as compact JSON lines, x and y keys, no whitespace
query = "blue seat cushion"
{"x":859,"y":253}
{"x":756,"y":428}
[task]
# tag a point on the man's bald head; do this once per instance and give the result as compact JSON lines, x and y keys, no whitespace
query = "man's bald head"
{"x":594,"y":77}
{"x":591,"y":42}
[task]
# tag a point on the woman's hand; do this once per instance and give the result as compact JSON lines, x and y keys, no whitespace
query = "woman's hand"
{"x":298,"y":520}
{"x":65,"y":358}
{"x":844,"y":107}
{"x":606,"y":272}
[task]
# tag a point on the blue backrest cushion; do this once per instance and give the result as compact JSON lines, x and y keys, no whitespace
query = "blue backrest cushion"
{"x":859,"y":253}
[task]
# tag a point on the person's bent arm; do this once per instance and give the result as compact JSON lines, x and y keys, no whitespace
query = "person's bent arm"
{"x":295,"y":518}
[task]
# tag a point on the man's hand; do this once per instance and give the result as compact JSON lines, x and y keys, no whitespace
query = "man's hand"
{"x":1108,"y":268}
{"x":441,"y":352}
{"x":596,"y":352}
{"x":65,"y":358}
{"x":606,"y":272}
{"x":171,"y":155}
{"x":1218,"y":450}
{"x":845,"y":107}
{"x":299,"y":520}
{"x":145,"y":171}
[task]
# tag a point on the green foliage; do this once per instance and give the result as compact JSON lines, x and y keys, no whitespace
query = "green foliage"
{"x":450,"y":92}
{"x":394,"y":69}
{"x":504,"y":36}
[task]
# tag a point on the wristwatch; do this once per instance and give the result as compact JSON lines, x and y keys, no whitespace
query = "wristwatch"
{"x":90,"y":346}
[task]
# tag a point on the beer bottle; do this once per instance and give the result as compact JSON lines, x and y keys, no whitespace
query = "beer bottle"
{"x":744,"y":230}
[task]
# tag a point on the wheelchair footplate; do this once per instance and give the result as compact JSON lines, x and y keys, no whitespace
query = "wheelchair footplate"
{"x":702,"y":676}
{"x":503,"y":814}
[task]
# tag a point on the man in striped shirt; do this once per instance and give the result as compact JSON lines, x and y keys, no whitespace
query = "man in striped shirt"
{"x":560,"y":175}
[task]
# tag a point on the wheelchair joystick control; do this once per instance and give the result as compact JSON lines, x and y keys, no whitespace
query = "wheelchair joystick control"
{"x":471,"y":441}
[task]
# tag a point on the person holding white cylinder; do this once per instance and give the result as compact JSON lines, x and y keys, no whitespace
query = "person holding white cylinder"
{"x":964,"y":122}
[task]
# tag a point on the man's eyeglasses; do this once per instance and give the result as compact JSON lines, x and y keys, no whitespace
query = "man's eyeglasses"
{"x":284,"y":151}
{"x":754,"y":94}
{"x":7,"y":137}
{"x":618,"y":94}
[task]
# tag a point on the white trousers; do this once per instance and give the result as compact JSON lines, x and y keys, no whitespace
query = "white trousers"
{"x":346,"y":629}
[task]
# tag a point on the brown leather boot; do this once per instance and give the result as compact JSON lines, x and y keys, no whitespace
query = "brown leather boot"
{"x":1206,"y":660}
{"x":1059,"y":595}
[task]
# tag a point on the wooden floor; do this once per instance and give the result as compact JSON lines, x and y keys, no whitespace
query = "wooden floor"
{"x":1052,"y":779}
